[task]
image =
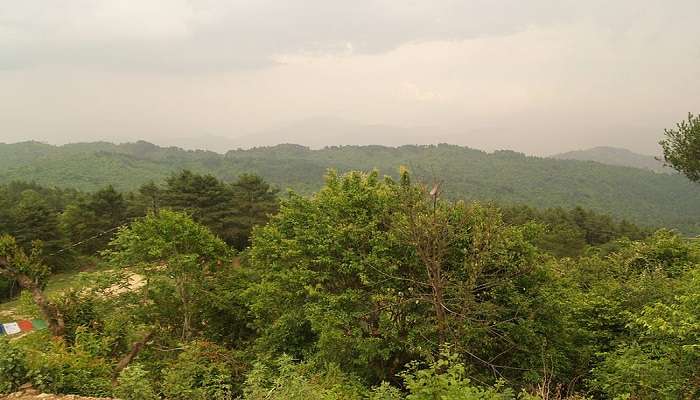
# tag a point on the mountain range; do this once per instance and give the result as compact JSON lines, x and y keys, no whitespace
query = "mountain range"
{"x":643,"y":196}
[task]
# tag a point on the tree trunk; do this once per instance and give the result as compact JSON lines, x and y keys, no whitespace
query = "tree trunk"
{"x":127,"y":359}
{"x":438,"y":304}
{"x":53,"y":317}
{"x":183,"y":292}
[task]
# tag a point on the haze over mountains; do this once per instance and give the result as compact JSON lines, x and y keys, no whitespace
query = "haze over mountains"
{"x":616,"y":156}
{"x":508,"y":177}
{"x":325,"y":131}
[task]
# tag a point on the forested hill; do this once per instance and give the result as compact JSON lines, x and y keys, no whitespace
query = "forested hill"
{"x":504,"y":176}
{"x":616,"y":156}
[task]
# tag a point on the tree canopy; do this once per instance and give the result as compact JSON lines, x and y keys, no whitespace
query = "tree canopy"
{"x":371,"y":288}
{"x":682,"y":147}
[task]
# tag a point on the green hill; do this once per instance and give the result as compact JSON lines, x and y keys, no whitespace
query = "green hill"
{"x":508,"y":177}
{"x":616,"y":156}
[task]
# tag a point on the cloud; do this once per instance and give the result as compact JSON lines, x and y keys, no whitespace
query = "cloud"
{"x":182,"y":35}
{"x":538,"y":76}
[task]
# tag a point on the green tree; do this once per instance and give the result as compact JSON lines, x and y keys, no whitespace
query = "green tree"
{"x":254,"y":200}
{"x":230,"y":211}
{"x":94,"y":220}
{"x":371,"y":274}
{"x":204,"y":371}
{"x":31,"y":274}
{"x":135,"y":384}
{"x":446,"y":378}
{"x":175,"y":254}
{"x":150,"y":195}
{"x":682,"y":147}
{"x":635,"y":322}
{"x":206,"y":198}
{"x":34,"y":221}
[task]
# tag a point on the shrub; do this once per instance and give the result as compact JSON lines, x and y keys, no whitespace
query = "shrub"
{"x":134,"y":384}
{"x":287,"y":380}
{"x":445,"y":379}
{"x":70,"y":371}
{"x":204,"y":371}
{"x":13,"y":366}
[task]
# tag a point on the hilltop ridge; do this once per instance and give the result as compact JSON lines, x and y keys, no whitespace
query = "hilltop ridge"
{"x":504,"y":176}
{"x":616,"y":156}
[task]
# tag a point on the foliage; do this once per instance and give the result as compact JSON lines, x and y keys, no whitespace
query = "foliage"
{"x":231,"y":211}
{"x":30,"y":213}
{"x":20,"y":261}
{"x":94,"y":219}
{"x":204,"y":371}
{"x":79,"y":369}
{"x":254,"y":201}
{"x":13,"y":367}
{"x":631,"y":306}
{"x":661,"y":360}
{"x":284,"y":379}
{"x":446,"y":378}
{"x":35,"y":222}
{"x":358,"y":291}
{"x":134,"y":383}
{"x":507,"y":177}
{"x":572,"y":232}
{"x":682,"y":147}
{"x":174,"y":254}
{"x":343,"y":275}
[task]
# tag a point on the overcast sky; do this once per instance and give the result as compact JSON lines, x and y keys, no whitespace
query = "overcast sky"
{"x":530,"y":75}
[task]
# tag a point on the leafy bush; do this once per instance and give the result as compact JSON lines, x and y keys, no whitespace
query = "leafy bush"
{"x":135,"y":384}
{"x":74,"y":370}
{"x":286,"y":380}
{"x":204,"y":371}
{"x":13,"y":366}
{"x":446,"y":379}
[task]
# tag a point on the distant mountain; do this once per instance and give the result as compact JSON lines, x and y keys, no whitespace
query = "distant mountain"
{"x":616,"y":156}
{"x":508,"y":177}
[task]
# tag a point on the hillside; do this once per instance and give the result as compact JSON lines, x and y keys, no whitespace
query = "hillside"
{"x":616,"y":156}
{"x":504,"y":176}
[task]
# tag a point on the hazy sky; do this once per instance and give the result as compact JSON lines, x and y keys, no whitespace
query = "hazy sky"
{"x":531,"y":75}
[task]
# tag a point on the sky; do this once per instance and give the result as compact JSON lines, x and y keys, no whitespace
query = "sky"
{"x":535,"y":76}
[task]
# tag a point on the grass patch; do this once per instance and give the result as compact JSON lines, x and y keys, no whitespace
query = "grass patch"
{"x":57,"y":283}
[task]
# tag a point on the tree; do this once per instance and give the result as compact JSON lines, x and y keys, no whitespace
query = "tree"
{"x":151,"y":194}
{"x":94,"y":220}
{"x":31,"y":275}
{"x":254,"y":200}
{"x":174,"y":254}
{"x":230,"y":211}
{"x":34,"y":221}
{"x":371,"y":274}
{"x":206,"y":198}
{"x":639,"y":308}
{"x":682,"y":147}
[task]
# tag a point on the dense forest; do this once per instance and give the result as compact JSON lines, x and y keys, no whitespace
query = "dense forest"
{"x":370,"y":288}
{"x":616,"y":156}
{"x":648,"y":198}
{"x":194,"y":287}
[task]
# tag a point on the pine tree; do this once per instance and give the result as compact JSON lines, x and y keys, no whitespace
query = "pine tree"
{"x":34,"y":220}
{"x":206,"y":198}
{"x":254,"y":201}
